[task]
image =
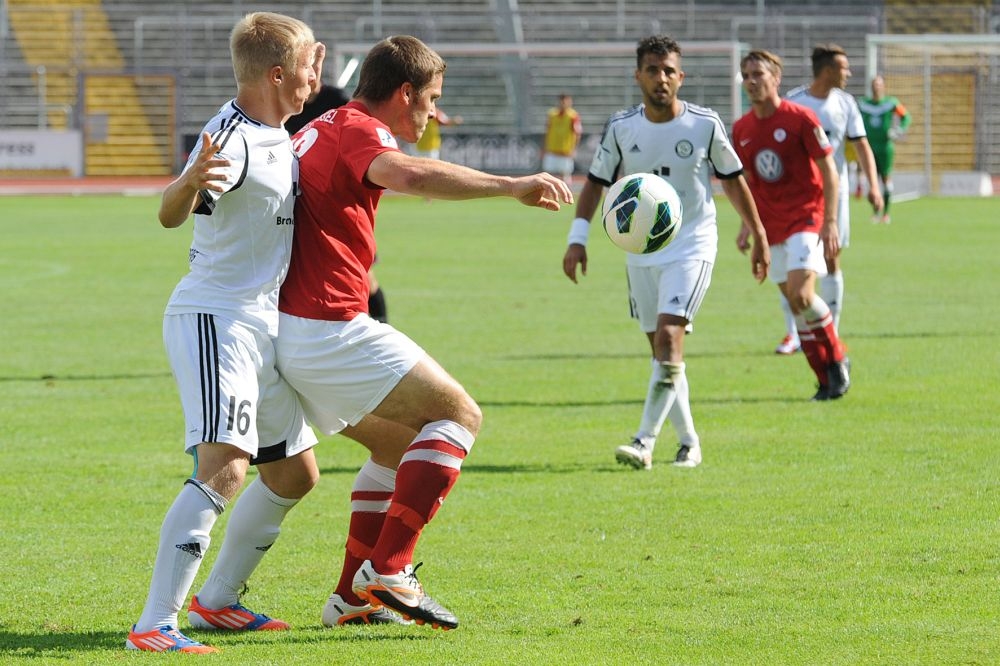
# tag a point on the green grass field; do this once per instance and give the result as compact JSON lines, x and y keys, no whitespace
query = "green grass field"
{"x":862,"y":531}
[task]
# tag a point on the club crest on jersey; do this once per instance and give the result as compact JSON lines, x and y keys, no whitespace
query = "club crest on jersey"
{"x":684,"y":148}
{"x":386,"y":137}
{"x":780,"y":135}
{"x":768,"y":165}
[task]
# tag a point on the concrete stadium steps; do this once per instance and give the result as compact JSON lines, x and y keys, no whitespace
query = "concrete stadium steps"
{"x":73,"y":39}
{"x":63,"y":36}
{"x":905,"y":17}
{"x":120,"y":139}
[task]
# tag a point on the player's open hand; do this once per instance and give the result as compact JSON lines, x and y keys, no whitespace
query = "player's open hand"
{"x":542,"y":190}
{"x":576,"y":255}
{"x":206,"y":172}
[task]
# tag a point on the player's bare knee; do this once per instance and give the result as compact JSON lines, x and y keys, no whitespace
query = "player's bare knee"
{"x":222,"y":467}
{"x":668,"y":344}
{"x":291,"y":478}
{"x":469,"y":416}
{"x":799,"y":301}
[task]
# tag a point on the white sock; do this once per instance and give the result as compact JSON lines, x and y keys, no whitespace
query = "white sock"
{"x":790,"y":329}
{"x":659,"y":398}
{"x":831,"y":288}
{"x":374,"y":477}
{"x":184,"y":540}
{"x":254,"y":525}
{"x":680,"y":411}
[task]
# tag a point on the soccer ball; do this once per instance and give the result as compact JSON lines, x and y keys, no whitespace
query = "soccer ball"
{"x":642,"y":213}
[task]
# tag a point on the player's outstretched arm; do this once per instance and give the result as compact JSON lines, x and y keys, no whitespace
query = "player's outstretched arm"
{"x":437,"y":179}
{"x":542,"y":190}
{"x":181,"y":196}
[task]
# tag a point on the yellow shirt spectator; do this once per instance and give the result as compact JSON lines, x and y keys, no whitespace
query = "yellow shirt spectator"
{"x":429,"y":144}
{"x":562,"y":135}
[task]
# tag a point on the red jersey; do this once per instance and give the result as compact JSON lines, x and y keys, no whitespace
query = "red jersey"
{"x":778,"y":156}
{"x":334,"y":239}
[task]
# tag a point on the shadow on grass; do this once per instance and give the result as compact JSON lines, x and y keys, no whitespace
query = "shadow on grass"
{"x":66,"y":644}
{"x":734,"y":400}
{"x":87,"y":378}
{"x":74,"y":645}
{"x":548,"y":404}
{"x":472,"y":468}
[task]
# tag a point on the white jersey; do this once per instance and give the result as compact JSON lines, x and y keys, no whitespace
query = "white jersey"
{"x":840,"y":117}
{"x":242,"y":237}
{"x":686,"y":151}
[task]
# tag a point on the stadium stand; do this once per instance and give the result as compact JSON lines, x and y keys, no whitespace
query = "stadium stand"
{"x":165,"y":66}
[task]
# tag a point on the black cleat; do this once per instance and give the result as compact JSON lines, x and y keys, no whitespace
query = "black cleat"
{"x":839,"y":377}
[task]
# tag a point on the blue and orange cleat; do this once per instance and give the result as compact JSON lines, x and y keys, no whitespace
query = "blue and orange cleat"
{"x":231,"y":618}
{"x":165,"y":639}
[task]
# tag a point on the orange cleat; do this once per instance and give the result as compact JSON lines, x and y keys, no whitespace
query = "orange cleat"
{"x":231,"y":618}
{"x":165,"y":639}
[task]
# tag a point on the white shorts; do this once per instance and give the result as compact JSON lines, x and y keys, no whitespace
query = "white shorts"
{"x":557,"y":165}
{"x":230,"y":388}
{"x":676,"y":288}
{"x":803,"y":250}
{"x":343,"y":370}
{"x":844,"y":213}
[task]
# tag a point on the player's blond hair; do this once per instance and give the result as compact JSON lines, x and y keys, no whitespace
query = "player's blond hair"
{"x":770,"y":60}
{"x":262,"y":40}
{"x":395,"y":61}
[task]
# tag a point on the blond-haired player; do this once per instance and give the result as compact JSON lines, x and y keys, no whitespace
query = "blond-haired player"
{"x":219,"y":329}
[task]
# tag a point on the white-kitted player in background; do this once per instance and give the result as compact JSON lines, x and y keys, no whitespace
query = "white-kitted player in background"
{"x":840,"y":116}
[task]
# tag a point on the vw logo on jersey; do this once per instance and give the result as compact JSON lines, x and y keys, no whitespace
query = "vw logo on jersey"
{"x":684,"y":148}
{"x":768,"y":165}
{"x":780,"y":135}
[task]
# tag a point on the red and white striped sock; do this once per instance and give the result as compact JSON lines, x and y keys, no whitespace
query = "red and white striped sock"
{"x":370,"y":500}
{"x":819,"y":321}
{"x":425,"y":476}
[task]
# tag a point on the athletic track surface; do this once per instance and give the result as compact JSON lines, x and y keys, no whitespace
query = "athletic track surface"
{"x":134,"y":186}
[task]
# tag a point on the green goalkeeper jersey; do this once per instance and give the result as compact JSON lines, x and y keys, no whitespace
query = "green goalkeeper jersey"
{"x":884,"y":120}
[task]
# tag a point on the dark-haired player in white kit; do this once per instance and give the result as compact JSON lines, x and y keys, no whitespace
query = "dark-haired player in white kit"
{"x":685,"y":144}
{"x":219,"y":329}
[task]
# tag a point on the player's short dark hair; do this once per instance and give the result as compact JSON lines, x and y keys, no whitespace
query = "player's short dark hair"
{"x":824,"y":55}
{"x":395,"y":61}
{"x":657,"y":44}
